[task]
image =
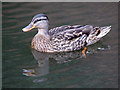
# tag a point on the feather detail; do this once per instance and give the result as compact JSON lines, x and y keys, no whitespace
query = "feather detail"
{"x":63,"y":38}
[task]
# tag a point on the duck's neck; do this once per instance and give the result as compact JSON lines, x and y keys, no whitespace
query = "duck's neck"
{"x":43,"y":32}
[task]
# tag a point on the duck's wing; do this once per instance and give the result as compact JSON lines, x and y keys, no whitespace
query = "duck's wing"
{"x":69,"y":32}
{"x":72,"y":38}
{"x":63,"y":28}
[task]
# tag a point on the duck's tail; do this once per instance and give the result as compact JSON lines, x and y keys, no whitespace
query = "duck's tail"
{"x":98,"y":34}
{"x":103,"y":31}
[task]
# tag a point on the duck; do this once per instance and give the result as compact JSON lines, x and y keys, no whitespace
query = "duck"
{"x":63,"y":38}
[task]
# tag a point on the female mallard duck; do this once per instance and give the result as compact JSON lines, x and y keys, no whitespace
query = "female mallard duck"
{"x":63,"y":38}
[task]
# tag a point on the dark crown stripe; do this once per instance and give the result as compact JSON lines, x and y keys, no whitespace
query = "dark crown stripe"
{"x":39,"y":20}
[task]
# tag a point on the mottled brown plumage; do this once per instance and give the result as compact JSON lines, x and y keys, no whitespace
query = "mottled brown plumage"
{"x":63,"y":38}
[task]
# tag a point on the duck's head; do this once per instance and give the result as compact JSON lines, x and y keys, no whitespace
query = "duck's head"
{"x":39,"y":21}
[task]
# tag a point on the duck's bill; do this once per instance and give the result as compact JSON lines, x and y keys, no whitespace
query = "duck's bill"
{"x":28,"y":28}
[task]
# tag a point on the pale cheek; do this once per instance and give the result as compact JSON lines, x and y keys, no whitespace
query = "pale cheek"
{"x":43,"y":24}
{"x":38,"y":25}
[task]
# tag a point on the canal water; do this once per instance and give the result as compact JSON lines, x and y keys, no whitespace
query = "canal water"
{"x":26,"y":68}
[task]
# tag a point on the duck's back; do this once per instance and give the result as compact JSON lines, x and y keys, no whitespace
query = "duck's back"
{"x":69,"y":38}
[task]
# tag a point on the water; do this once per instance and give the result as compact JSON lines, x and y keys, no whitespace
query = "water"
{"x":24,"y":67}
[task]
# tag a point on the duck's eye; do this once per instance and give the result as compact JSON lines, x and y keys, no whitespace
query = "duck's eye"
{"x":39,"y":20}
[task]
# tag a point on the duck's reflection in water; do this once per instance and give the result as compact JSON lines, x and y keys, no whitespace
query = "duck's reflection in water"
{"x":43,"y":65}
{"x":43,"y":61}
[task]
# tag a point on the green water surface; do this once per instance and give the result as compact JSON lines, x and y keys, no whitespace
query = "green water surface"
{"x":26,"y":68}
